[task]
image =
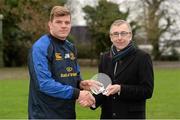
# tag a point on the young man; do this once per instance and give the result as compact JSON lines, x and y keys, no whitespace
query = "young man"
{"x":54,"y":73}
{"x":131,"y":72}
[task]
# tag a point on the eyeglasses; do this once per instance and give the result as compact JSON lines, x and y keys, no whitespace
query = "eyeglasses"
{"x":123,"y":34}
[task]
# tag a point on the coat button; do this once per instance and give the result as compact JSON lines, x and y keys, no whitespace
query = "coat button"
{"x":114,"y":114}
{"x":114,"y":98}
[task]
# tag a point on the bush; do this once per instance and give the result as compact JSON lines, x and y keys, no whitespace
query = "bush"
{"x":173,"y":56}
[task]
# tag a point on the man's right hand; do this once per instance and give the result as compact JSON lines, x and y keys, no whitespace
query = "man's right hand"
{"x":86,"y":99}
{"x":88,"y":84}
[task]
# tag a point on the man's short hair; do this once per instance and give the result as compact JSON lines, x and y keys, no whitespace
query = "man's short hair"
{"x":120,"y":22}
{"x":57,"y":11}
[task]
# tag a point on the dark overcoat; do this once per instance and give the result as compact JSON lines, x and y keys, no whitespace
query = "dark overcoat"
{"x":135,"y":75}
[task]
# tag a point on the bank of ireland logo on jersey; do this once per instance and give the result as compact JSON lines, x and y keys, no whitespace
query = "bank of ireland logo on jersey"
{"x":58,"y":56}
{"x":69,"y":69}
{"x":69,"y":72}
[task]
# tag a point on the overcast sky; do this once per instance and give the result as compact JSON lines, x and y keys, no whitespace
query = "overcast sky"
{"x":78,"y":14}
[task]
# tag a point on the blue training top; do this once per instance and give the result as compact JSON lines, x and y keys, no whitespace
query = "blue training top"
{"x":54,"y":79}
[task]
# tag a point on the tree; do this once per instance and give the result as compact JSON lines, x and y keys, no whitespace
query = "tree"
{"x":99,"y":19}
{"x":156,"y":11}
{"x":24,"y":21}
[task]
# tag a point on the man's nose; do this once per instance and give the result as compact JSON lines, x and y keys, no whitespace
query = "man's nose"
{"x":119,"y":36}
{"x":63,"y":25}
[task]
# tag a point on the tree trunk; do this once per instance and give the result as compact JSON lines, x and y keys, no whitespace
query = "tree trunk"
{"x":156,"y":52}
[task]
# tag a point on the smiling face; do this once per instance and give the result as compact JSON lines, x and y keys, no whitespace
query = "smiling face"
{"x":120,"y":35}
{"x":60,"y":26}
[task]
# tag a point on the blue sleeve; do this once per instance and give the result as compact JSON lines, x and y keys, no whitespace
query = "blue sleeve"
{"x":46,"y":83}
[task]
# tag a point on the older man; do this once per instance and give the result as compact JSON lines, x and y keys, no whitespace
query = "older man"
{"x":131,"y":72}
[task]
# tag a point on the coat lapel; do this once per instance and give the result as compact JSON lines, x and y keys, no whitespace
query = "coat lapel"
{"x":122,"y":65}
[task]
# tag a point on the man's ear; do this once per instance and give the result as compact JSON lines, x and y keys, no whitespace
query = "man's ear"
{"x":49,"y":24}
{"x":131,"y":36}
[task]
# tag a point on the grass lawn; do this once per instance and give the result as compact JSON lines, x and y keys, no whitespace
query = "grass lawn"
{"x":14,"y":87}
{"x":165,"y":101}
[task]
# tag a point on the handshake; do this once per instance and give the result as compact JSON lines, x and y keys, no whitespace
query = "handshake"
{"x":86,"y":99}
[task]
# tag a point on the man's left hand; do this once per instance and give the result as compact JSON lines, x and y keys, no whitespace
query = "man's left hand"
{"x":112,"y":89}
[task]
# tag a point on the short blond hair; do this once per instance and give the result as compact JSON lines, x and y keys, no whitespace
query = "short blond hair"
{"x":120,"y":22}
{"x":57,"y":11}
